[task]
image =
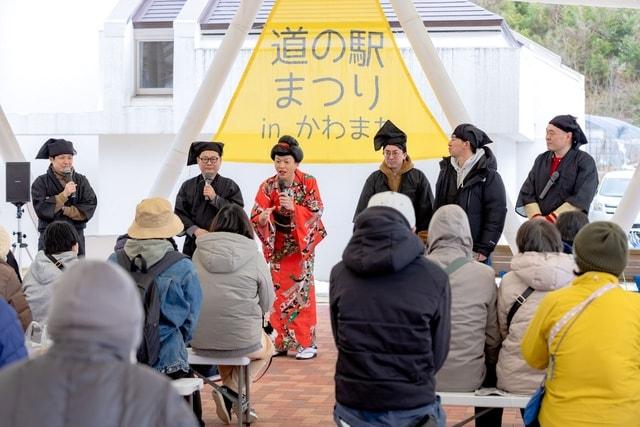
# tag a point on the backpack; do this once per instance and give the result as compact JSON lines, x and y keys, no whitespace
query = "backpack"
{"x":149,"y":350}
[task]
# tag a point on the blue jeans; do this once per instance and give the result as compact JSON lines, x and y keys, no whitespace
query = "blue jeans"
{"x":348,"y":417}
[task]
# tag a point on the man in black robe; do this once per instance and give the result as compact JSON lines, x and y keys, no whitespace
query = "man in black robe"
{"x":470,"y":179}
{"x":398,"y":174}
{"x":562,"y":179}
{"x":200,"y":198}
{"x":62,"y":194}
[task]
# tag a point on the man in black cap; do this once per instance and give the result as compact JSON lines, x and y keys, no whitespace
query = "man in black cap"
{"x":200,"y":198}
{"x":469,"y":178}
{"x":398,"y":174}
{"x":62,"y":194}
{"x":563,"y":178}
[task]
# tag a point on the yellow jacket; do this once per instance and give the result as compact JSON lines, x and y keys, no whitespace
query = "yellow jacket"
{"x":596,"y":379}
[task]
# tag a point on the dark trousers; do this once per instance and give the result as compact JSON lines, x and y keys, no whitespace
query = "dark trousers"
{"x":196,"y":401}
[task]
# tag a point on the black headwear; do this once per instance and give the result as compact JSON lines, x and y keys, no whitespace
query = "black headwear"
{"x":287,"y":146}
{"x":54,"y":147}
{"x":476,"y":137}
{"x":568,"y":123}
{"x":198,"y":147}
{"x":390,"y":134}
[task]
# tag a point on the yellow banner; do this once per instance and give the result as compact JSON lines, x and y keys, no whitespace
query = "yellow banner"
{"x":330,"y":74}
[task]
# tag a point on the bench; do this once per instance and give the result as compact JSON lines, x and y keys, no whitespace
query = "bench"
{"x":244,"y":380}
{"x":187,"y":386}
{"x":482,"y":400}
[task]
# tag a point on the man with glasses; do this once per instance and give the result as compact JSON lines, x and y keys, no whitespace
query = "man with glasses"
{"x":398,"y":174}
{"x":200,"y":198}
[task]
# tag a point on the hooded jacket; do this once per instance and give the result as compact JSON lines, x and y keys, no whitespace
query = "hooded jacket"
{"x":87,"y":377}
{"x":544,"y":272}
{"x":481,"y":196}
{"x":39,"y":281}
{"x":237,"y":291}
{"x":390,"y":318}
{"x":474,"y":324}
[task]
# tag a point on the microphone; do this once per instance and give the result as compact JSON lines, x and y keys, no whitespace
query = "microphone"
{"x":208,"y":179}
{"x":552,"y":180}
{"x":282,"y":185}
{"x":68,"y":176}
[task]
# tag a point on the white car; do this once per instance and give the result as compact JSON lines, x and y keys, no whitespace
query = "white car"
{"x":607,"y":199}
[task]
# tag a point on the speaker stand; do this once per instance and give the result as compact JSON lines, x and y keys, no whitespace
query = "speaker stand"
{"x":20,"y":243}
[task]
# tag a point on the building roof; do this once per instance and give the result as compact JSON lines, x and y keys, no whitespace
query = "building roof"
{"x":434,"y":14}
{"x":157,"y":13}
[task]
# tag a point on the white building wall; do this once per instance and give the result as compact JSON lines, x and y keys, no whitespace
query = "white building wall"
{"x":511,"y":92}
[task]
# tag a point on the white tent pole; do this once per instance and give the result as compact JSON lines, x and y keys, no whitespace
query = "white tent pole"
{"x":443,"y":87}
{"x":9,"y":147}
{"x":630,"y":204}
{"x":205,"y":97}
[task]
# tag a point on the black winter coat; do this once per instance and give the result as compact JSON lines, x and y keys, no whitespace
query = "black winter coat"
{"x":390,"y":316}
{"x":193,"y":209}
{"x":481,"y":196}
{"x":413,"y":184}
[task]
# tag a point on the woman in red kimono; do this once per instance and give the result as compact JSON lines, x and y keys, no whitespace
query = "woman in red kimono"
{"x":286,"y":218}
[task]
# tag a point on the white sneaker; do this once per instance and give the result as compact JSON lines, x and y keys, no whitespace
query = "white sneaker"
{"x":307,"y":353}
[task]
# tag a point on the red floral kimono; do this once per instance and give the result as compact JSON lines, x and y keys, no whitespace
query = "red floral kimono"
{"x":288,"y":242}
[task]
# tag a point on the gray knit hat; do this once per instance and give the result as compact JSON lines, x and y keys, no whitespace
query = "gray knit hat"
{"x":96,"y":302}
{"x":601,"y":246}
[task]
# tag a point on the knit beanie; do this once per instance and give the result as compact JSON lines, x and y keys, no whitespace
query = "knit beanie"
{"x":397,"y":201}
{"x":601,"y":246}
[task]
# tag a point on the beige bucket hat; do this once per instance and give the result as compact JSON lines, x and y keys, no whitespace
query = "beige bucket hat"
{"x":155,"y":220}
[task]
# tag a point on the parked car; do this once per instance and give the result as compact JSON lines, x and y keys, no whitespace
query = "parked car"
{"x":607,"y":199}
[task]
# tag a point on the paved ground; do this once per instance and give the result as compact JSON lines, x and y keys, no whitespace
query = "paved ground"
{"x":300,"y":393}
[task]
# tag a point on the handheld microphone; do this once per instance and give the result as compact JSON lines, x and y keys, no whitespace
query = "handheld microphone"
{"x":208,"y":179}
{"x":552,"y":180}
{"x":282,"y":185}
{"x":68,"y":176}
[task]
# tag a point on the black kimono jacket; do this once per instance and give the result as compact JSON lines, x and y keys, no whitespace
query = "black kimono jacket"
{"x":577,"y":183}
{"x":43,"y":192}
{"x":193,"y":209}
{"x":413,"y":184}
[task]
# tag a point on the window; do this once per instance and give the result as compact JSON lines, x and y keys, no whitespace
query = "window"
{"x":154,"y":68}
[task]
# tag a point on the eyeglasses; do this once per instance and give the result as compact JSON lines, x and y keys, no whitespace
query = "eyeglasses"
{"x":392,"y":153}
{"x":212,"y":160}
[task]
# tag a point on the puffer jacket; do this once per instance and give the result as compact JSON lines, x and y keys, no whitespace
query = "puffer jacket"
{"x":390,"y":310}
{"x":544,"y":272}
{"x":237,"y":291}
{"x":11,"y":291}
{"x":474,"y":324}
{"x":38,"y":280}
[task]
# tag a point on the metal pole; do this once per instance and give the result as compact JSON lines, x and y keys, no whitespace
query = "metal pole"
{"x":205,"y":97}
{"x":630,"y":204}
{"x":443,"y":88}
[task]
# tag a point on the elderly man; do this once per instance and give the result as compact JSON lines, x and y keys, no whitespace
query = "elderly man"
{"x":563,"y":178}
{"x":62,"y":193}
{"x":397,"y":173}
{"x":88,"y":378}
{"x":200,"y":198}
{"x":469,"y":178}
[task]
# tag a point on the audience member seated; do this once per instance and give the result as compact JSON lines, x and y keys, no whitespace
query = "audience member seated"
{"x":60,"y":251}
{"x":10,"y":287}
{"x":237,"y":292}
{"x":538,"y":268}
{"x":475,"y":340}
{"x":12,"y":347}
{"x":88,"y":377}
{"x":568,"y":224}
{"x":177,"y":284}
{"x":595,"y":379}
{"x":390,"y":318}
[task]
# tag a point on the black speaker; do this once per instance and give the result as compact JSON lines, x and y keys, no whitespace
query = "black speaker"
{"x":18,"y":182}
